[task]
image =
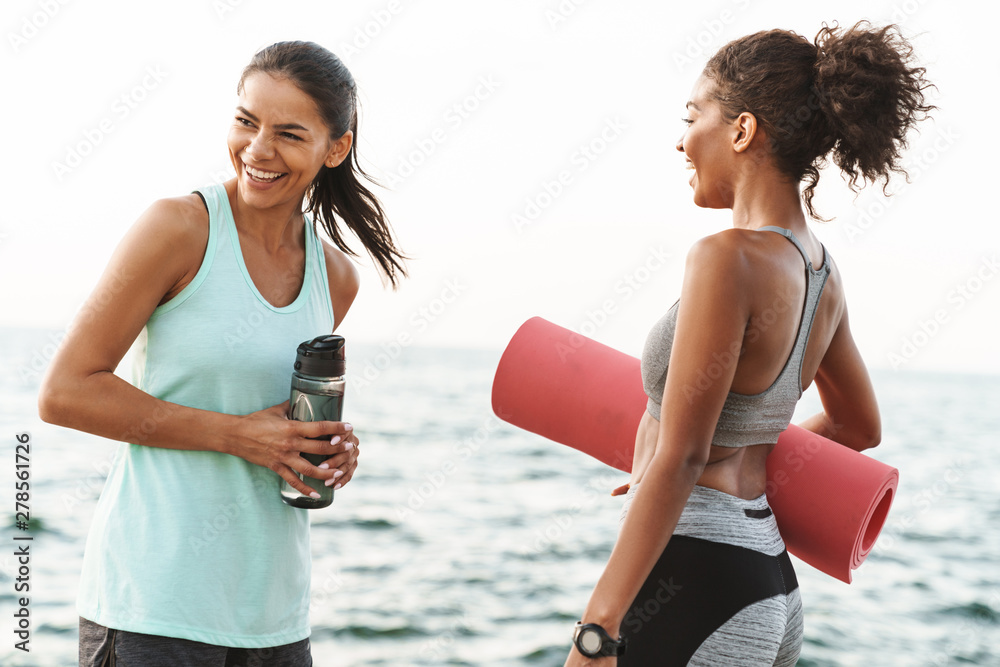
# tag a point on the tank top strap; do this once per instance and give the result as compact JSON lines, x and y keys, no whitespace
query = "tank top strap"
{"x":815,"y":282}
{"x":787,"y":233}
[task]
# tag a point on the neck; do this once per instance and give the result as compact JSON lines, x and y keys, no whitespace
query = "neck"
{"x":273,"y":227}
{"x":768,"y":199}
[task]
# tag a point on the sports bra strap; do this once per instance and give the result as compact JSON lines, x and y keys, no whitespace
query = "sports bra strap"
{"x":787,"y":233}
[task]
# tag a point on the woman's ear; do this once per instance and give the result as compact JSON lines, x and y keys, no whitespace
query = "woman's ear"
{"x":340,"y":149}
{"x":746,"y":129}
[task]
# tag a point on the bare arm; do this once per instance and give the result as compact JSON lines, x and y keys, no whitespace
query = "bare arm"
{"x":712,"y":319}
{"x":80,"y":390}
{"x":850,"y":411}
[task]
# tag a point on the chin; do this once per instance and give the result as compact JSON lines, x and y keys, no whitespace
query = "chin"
{"x":719,"y":201}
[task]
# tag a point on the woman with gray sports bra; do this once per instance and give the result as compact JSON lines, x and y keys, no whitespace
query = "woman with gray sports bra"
{"x":699,"y":574}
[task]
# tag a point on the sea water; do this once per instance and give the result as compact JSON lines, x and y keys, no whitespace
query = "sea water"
{"x":462,"y":540}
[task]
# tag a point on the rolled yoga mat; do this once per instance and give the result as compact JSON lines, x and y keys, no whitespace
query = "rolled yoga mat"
{"x":830,"y":501}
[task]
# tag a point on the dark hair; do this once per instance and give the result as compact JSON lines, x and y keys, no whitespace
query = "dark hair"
{"x":337,"y":191}
{"x":851,"y":92}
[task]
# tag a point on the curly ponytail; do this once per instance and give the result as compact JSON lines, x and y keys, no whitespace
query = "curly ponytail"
{"x":335,"y":192}
{"x":852,"y":93}
{"x":870,"y":96}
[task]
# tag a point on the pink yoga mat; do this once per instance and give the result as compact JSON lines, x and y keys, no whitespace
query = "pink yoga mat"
{"x":830,"y":502}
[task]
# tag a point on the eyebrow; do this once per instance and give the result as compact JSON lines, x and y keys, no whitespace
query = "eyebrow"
{"x":281,"y":126}
{"x":692,"y":104}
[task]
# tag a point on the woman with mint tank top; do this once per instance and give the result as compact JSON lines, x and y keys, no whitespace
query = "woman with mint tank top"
{"x":205,"y":439}
{"x":699,"y":574}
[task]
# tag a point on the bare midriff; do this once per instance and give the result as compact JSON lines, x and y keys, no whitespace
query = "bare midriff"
{"x":738,"y":471}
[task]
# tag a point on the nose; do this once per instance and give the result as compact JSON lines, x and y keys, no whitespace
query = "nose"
{"x":680,"y":143}
{"x":258,"y":148}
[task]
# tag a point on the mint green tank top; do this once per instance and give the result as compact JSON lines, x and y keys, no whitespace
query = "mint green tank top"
{"x":197,"y":544}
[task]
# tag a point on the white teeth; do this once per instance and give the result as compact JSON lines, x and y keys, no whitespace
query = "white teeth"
{"x":261,"y":175}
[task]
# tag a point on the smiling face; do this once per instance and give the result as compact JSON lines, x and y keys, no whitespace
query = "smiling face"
{"x":278,"y":142}
{"x":708,"y":146}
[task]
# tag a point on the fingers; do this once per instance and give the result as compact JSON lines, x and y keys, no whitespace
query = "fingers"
{"x":321,"y":429}
{"x":293,"y":480}
{"x":343,"y":472}
{"x":339,"y":447}
{"x":623,"y":489}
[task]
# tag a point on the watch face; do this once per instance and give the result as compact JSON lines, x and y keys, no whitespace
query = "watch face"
{"x":590,"y":640}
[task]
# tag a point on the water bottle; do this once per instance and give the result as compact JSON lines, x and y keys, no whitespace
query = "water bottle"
{"x":317,"y":395}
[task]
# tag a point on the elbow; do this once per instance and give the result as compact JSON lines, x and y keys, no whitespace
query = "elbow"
{"x":862,"y":436}
{"x":869,"y":432}
{"x":690,"y":465}
{"x":871,"y":439}
{"x":680,"y":467}
{"x":52,"y":403}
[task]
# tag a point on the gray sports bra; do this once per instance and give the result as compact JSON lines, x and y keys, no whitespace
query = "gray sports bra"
{"x":745,"y":419}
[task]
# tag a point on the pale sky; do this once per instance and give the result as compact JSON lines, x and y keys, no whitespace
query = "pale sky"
{"x":530,"y":149}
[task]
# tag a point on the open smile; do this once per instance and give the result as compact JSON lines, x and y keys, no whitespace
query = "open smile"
{"x":260,"y":175}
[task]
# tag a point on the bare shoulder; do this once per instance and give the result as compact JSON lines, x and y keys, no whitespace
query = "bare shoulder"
{"x":341,"y":270}
{"x":730,"y":253}
{"x":344,"y":280}
{"x":167,"y":243}
{"x":177,"y":220}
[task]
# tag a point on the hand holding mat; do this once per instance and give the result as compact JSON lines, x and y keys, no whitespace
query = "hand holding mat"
{"x":830,"y":501}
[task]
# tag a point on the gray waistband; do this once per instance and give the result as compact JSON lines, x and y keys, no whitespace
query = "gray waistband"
{"x":719,"y":517}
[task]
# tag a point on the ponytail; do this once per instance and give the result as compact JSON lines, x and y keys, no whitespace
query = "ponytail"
{"x":871,"y":97}
{"x":337,"y":192}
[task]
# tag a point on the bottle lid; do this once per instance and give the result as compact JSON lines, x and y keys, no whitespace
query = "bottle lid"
{"x":322,"y":356}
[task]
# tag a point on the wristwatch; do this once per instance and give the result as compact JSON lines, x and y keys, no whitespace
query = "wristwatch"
{"x":593,"y":641}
